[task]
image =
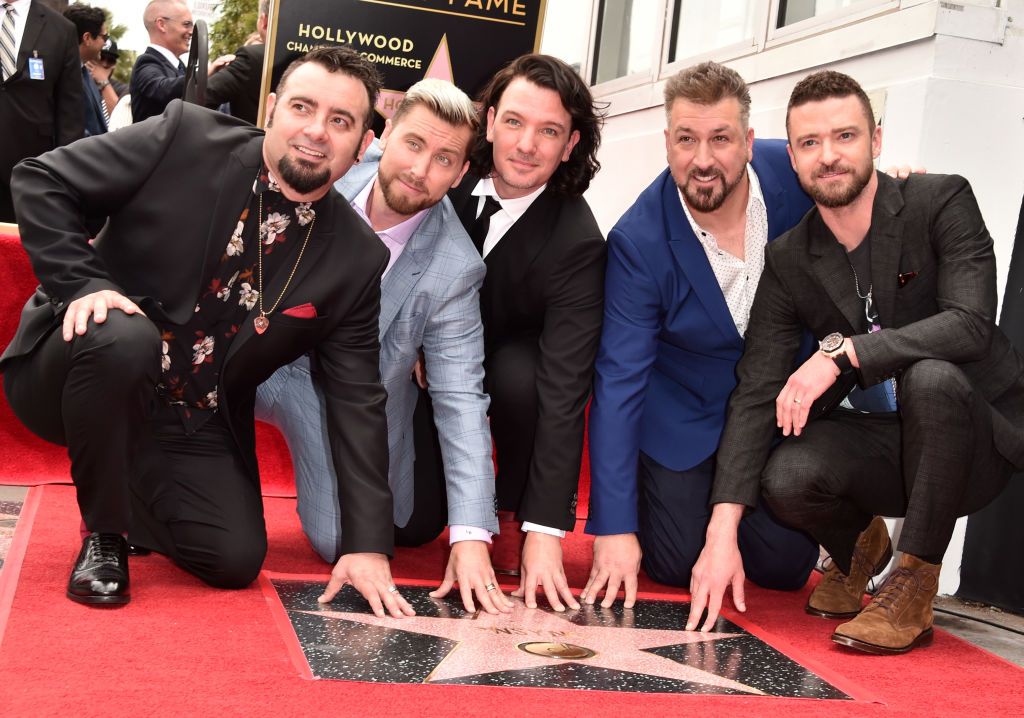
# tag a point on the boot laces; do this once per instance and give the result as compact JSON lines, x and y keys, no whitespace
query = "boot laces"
{"x":895,"y":586}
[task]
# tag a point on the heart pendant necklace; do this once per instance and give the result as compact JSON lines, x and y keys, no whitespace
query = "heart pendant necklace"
{"x":262,"y":321}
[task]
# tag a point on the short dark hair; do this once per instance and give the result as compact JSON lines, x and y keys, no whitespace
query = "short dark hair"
{"x":346,"y":61}
{"x":87,"y":19}
{"x":824,"y":85}
{"x":573,"y":176}
{"x":708,"y":84}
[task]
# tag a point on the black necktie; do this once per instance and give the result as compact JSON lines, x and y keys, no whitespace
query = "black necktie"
{"x":181,"y":68}
{"x":478,"y":233}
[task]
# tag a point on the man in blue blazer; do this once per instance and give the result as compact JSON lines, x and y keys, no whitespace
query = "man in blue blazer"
{"x":91,"y":26}
{"x":429,"y":306}
{"x":683,"y":265}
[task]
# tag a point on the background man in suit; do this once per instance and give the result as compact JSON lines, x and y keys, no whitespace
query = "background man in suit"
{"x":142,"y":351}
{"x":684,"y":263}
{"x":429,"y":303}
{"x":541,"y":300}
{"x":238,"y":84}
{"x":897,"y":280}
{"x":91,"y":26}
{"x":41,"y":98}
{"x":159,"y":74}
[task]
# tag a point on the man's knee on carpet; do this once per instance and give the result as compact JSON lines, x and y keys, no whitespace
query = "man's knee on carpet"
{"x":670,"y":562}
{"x":776,"y":556}
{"x":225,"y":560}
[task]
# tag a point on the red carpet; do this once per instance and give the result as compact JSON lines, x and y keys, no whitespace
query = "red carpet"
{"x":182,"y":648}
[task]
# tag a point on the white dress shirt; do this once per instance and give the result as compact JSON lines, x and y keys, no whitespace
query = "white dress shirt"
{"x":737,"y":277}
{"x":168,"y":55}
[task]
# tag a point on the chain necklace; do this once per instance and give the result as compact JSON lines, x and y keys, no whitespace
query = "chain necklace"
{"x":868,"y":299}
{"x":262,"y":322}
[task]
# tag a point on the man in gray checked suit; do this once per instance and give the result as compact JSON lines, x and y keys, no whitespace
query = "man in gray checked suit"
{"x":917,"y":399}
{"x":429,"y":304}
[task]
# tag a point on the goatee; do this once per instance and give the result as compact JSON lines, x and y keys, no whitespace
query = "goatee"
{"x":835,"y":195}
{"x":302,"y":176}
{"x":708,"y":199}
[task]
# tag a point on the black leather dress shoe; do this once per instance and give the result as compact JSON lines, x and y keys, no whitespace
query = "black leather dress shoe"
{"x":100,"y":575}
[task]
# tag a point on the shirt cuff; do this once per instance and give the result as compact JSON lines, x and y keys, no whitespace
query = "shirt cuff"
{"x":460,"y":532}
{"x":528,"y":526}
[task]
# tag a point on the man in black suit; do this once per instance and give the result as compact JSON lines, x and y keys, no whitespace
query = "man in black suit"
{"x":142,"y":351}
{"x":239,"y":83}
{"x":41,"y":90}
{"x":159,"y":74}
{"x":542,"y":299}
{"x":918,"y":397}
{"x":91,"y":26}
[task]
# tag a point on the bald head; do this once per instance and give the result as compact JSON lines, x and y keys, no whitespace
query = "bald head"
{"x":169,"y":24}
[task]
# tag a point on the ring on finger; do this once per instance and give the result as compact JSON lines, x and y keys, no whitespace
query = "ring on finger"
{"x":796,"y":401}
{"x":392,"y":588}
{"x":490,"y":587}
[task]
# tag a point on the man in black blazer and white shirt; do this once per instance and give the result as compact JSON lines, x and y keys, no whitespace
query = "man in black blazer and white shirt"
{"x":542,"y":300}
{"x":41,"y":95}
{"x":159,"y":74}
{"x":141,"y":352}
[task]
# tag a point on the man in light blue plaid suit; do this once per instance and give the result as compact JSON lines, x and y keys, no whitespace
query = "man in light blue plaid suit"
{"x":429,"y":305}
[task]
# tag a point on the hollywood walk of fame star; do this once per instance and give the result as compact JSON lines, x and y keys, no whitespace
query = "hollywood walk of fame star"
{"x":440,"y":68}
{"x":487,"y":643}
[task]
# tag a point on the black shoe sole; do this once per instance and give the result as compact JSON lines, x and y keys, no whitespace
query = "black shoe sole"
{"x":99,"y":600}
{"x":922,"y":640}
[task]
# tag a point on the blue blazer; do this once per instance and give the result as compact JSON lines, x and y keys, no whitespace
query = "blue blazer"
{"x":669,"y":347}
{"x":95,"y":122}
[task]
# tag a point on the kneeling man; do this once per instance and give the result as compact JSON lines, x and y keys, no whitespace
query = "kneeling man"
{"x":917,"y":398}
{"x":429,"y":303}
{"x":225,"y":256}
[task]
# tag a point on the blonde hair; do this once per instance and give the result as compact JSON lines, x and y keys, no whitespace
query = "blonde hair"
{"x":443,"y":99}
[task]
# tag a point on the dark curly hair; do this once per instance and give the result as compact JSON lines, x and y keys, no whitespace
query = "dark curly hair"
{"x":572,"y":178}
{"x":824,"y":85}
{"x":348,"y":62}
{"x":87,"y":19}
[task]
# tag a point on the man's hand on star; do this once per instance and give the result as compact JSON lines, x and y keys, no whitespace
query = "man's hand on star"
{"x":718,"y":567}
{"x":804,"y":386}
{"x":616,"y":562}
{"x":469,"y":565}
{"x":542,"y":566}
{"x":370,"y":574}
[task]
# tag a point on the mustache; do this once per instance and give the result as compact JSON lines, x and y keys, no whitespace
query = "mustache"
{"x":713,"y":172}
{"x":413,"y":182}
{"x":836,"y":166}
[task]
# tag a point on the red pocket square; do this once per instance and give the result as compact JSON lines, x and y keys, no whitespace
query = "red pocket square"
{"x":303,"y":311}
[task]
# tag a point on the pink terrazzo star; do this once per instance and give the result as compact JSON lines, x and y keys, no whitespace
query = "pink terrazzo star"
{"x":489,"y":643}
{"x":440,"y":68}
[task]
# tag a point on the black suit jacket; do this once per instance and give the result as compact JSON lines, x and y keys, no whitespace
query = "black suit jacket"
{"x":927,"y":225}
{"x":38,"y":115}
{"x":545,"y":281}
{"x":239,"y":83}
{"x":155,"y":82}
{"x":93,"y":117}
{"x":173,"y":188}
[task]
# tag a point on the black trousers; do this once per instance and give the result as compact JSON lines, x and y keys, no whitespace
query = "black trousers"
{"x":674,"y":515}
{"x":511,"y":382}
{"x":931,"y":463}
{"x":134,"y":468}
{"x":430,"y":497}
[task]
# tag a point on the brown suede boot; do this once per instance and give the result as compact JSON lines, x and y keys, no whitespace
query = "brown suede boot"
{"x":840,"y":596}
{"x":899,"y":617}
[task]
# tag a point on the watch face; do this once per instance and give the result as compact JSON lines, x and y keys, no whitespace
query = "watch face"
{"x":832,"y":342}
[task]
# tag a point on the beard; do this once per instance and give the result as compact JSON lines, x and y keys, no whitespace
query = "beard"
{"x":398,"y":202}
{"x":708,"y":199}
{"x":302,"y":176}
{"x":839,"y":194}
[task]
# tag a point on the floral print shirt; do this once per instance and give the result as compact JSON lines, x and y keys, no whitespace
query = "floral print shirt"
{"x":193,"y":353}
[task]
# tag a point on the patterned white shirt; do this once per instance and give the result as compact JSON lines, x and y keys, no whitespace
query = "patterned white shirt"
{"x":737,"y":277}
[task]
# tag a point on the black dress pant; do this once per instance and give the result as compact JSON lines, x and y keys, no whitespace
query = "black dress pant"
{"x":135,"y":469}
{"x":511,"y":381}
{"x":430,"y":496}
{"x":674,"y":515}
{"x":931,"y":463}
